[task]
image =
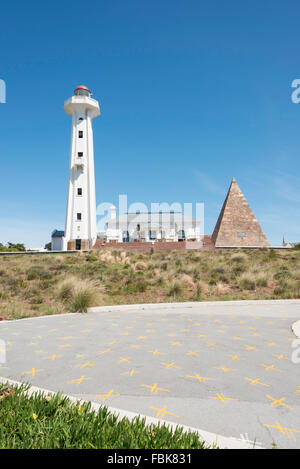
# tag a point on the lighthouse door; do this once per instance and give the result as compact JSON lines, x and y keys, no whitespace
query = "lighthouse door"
{"x":78,"y":244}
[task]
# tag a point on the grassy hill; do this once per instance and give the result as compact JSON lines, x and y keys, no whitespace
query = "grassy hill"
{"x":49,"y":284}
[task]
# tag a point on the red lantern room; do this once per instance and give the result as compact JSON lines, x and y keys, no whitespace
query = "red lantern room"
{"x":82,"y":91}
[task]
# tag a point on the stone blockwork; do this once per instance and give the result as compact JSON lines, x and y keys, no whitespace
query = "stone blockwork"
{"x":237,"y":225}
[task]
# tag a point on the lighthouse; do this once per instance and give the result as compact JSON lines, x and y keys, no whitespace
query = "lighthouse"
{"x":80,"y":227}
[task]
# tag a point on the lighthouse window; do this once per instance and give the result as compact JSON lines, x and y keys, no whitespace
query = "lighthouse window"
{"x":79,"y":191}
{"x":78,"y":216}
{"x":80,"y":133}
{"x":80,"y":154}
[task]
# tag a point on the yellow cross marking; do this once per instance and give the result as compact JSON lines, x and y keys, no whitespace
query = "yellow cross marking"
{"x":33,"y":343}
{"x":112,"y":342}
{"x":170,"y":365}
{"x":278,"y":402}
{"x":221,"y":331}
{"x":201,"y":335}
{"x":197,"y":323}
{"x":149,"y":323}
{"x":252,"y":328}
{"x":66,"y":338}
{"x":135,"y":346}
{"x":129,"y":327}
{"x":52,"y":357}
{"x":84,"y":365}
{"x":211,"y":344}
{"x":256,"y":381}
{"x":130,"y":373}
{"x":124,"y":333}
{"x":271,"y":344}
{"x":224,"y":368}
{"x":106,"y":396}
{"x":298,"y":390}
{"x":270,"y":367}
{"x":142,"y":337}
{"x":192,"y":352}
{"x":269,"y":322}
{"x":250,"y":347}
{"x":222,"y":398}
{"x":150,"y":331}
{"x":171,"y":335}
{"x":52,"y":330}
{"x":154,"y":389}
{"x":163,"y":319}
{"x":162,"y":412}
{"x":280,"y":357}
{"x":256,"y":334}
{"x":102,"y":352}
{"x":236,"y":357}
{"x":124,"y":359}
{"x":85,"y":330}
{"x":32,"y":372}
{"x":64,"y":345}
{"x":201,"y":379}
{"x":284,"y":331}
{"x":155,"y":352}
{"x":176,"y":343}
{"x":184,"y":330}
{"x":237,"y":338}
{"x":79,"y":380}
{"x":289,"y":432}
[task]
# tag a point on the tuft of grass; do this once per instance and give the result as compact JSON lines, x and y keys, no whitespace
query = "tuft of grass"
{"x":247,"y":282}
{"x":175,"y":289}
{"x":83,"y":299}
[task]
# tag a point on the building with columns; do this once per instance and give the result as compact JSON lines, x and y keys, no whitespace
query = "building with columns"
{"x":151,"y":227}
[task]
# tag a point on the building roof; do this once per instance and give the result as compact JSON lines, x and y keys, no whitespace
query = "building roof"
{"x":57,"y":234}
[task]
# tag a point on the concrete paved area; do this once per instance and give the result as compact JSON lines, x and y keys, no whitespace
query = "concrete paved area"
{"x":225,"y":368}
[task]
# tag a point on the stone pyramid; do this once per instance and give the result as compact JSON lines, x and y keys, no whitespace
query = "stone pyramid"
{"x":237,"y":225}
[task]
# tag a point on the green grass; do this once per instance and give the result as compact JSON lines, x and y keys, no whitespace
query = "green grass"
{"x":51,"y":423}
{"x":51,"y":284}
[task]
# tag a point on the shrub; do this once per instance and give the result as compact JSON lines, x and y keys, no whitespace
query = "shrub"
{"x":201,"y":287}
{"x":262,"y":280}
{"x":140,"y":266}
{"x":175,"y":289}
{"x":247,"y":282}
{"x":187,"y":281}
{"x":239,"y":257}
{"x":37,"y":272}
{"x":141,"y":286}
{"x":221,"y":289}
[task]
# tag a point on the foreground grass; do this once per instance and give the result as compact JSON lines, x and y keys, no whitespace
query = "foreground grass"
{"x":55,"y":422}
{"x":51,"y":284}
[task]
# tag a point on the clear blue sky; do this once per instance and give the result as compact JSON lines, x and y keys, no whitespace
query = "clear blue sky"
{"x":192,"y":94}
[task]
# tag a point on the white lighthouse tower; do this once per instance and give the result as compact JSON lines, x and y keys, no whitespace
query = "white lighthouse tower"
{"x":80,"y":228}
